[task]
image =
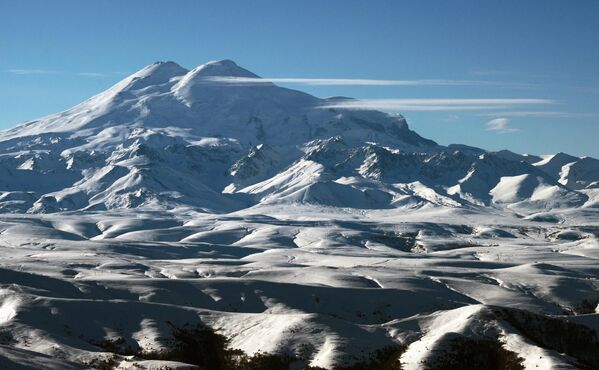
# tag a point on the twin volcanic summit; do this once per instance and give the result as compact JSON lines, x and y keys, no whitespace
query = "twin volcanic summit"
{"x":167,"y":137}
{"x":209,"y":219}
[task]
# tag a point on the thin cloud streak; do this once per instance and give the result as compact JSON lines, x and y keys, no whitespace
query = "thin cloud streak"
{"x":434,"y":104}
{"x":91,"y":74}
{"x":31,"y":71}
{"x":548,"y":114}
{"x":357,"y":82}
{"x":17,"y":71}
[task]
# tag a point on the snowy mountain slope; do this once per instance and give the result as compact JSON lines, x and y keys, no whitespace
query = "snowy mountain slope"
{"x":506,"y":154}
{"x":553,"y":164}
{"x":580,"y":174}
{"x":469,"y":180}
{"x":165,"y":95}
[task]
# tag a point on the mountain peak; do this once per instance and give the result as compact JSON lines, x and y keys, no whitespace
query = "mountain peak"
{"x":565,"y":156}
{"x":165,"y":63}
{"x":154,"y":74}
{"x":194,"y":83}
{"x":161,"y":68}
{"x":225,"y":68}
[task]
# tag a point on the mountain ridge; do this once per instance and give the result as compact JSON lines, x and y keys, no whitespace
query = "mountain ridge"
{"x":167,"y":137}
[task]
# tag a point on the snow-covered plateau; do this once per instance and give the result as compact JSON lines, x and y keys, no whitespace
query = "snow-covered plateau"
{"x":184,"y":220}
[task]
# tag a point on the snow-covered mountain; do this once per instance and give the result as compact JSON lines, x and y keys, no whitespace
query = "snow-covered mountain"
{"x":168,"y":137}
{"x":179,"y":220}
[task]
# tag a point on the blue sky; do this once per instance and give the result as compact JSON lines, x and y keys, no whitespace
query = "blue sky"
{"x":54,"y":54}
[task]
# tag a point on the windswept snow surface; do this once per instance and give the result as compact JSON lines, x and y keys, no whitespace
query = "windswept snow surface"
{"x":176,"y":199}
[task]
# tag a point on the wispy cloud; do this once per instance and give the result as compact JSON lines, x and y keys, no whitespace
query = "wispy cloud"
{"x":31,"y":71}
{"x":356,"y":82}
{"x":498,"y":72}
{"x":434,"y":104}
{"x":18,"y":71}
{"x":500,"y":126}
{"x":548,"y":114}
{"x":91,"y":74}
